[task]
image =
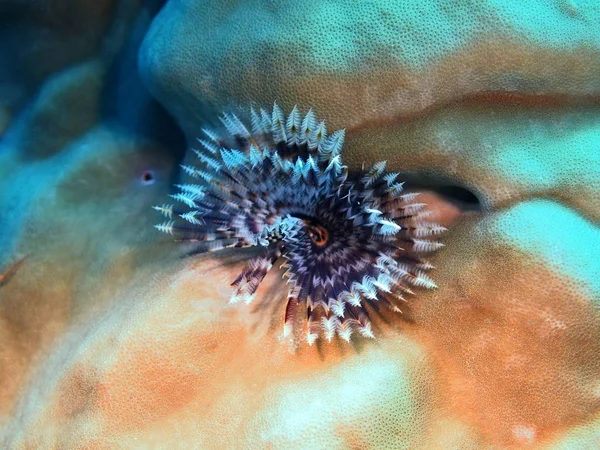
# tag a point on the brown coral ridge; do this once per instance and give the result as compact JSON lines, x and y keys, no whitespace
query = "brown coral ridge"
{"x":524,"y":367}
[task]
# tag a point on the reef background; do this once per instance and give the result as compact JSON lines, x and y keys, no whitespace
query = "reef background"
{"x":109,"y":340}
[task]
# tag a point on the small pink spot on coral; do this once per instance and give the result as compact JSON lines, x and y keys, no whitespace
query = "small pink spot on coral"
{"x":524,"y":434}
{"x":4,"y":277}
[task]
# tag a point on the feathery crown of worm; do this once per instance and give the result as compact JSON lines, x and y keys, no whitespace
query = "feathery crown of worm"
{"x":347,"y":243}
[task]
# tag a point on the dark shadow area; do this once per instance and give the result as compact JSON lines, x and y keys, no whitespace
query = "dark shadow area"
{"x":126,"y":99}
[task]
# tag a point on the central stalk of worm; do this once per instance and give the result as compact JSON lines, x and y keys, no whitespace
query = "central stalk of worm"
{"x":318,"y":234}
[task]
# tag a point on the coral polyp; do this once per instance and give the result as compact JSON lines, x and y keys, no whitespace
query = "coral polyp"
{"x":348,"y":243}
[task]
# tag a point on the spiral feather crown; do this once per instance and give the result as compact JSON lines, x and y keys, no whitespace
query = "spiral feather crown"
{"x":348,"y":244}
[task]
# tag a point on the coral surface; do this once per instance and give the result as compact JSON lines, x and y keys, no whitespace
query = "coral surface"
{"x":110,"y":339}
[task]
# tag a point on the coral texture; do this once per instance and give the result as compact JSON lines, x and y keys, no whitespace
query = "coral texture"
{"x":489,"y":108}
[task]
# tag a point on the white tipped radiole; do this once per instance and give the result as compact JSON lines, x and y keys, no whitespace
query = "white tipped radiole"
{"x":349,"y":243}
